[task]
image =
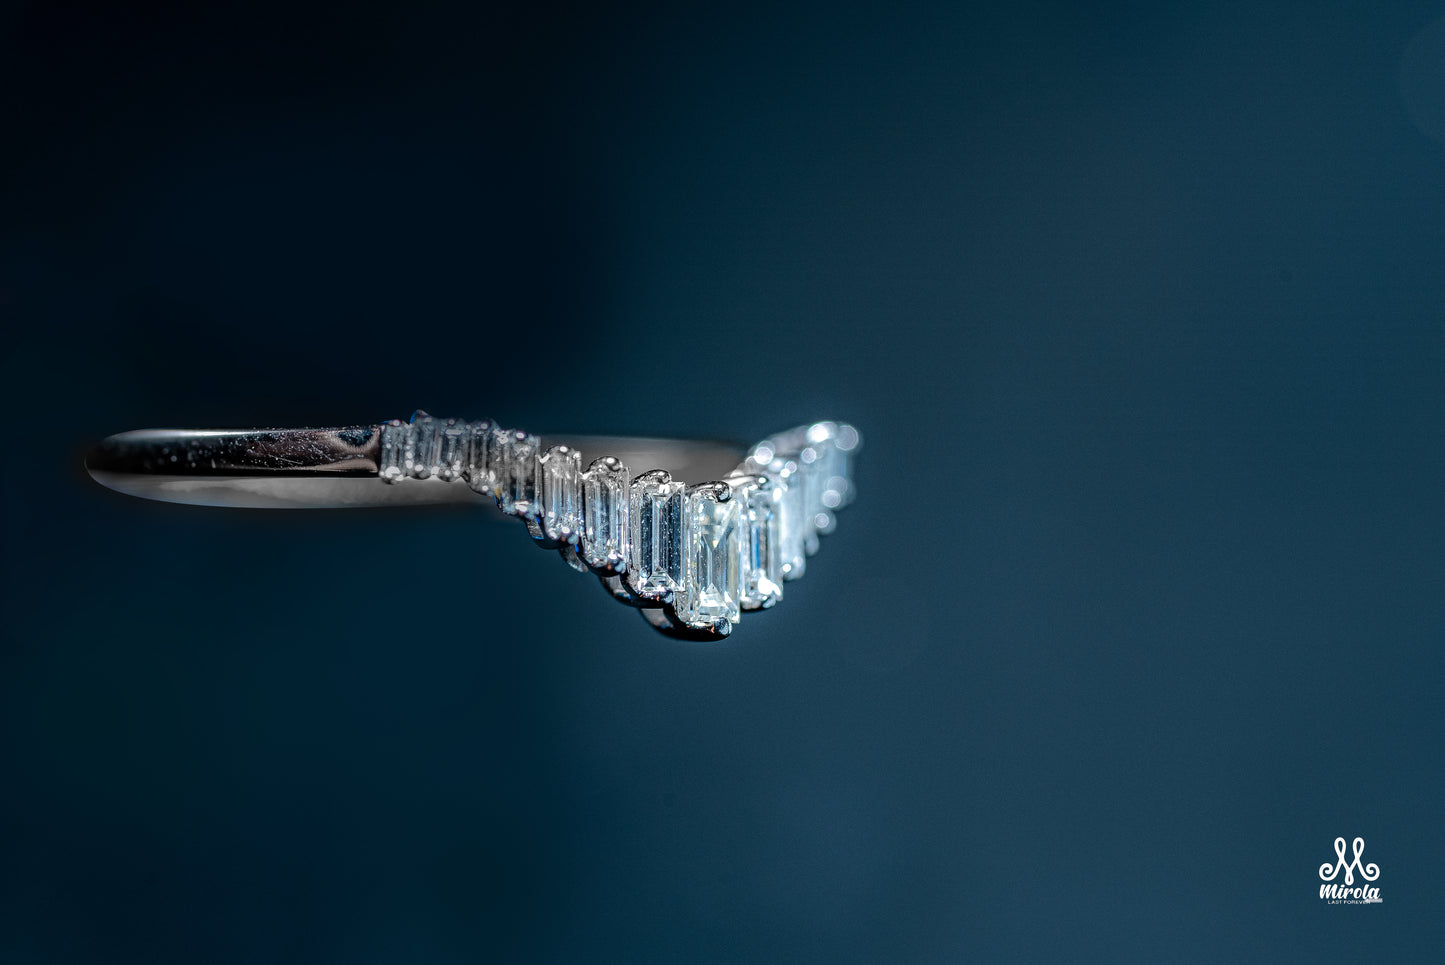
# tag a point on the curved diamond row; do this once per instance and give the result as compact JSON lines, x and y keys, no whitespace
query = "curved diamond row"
{"x":692,"y":558}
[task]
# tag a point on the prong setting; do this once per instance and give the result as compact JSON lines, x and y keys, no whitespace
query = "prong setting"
{"x":453,"y":450}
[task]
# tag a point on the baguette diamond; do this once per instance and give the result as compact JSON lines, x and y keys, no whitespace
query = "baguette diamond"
{"x":517,"y":472}
{"x":481,"y":471}
{"x":714,"y":557}
{"x":561,"y":492}
{"x":452,"y":451}
{"x":825,"y":462}
{"x":655,"y":566}
{"x":393,"y":447}
{"x":762,"y":564}
{"x":605,"y":515}
{"x":423,"y":446}
{"x":794,"y":521}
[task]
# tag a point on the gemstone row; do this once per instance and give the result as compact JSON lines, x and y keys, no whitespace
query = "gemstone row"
{"x":423,"y":448}
{"x":707,"y":552}
{"x":446,"y":449}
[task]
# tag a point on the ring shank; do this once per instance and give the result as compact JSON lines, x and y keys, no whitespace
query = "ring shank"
{"x":334,"y":468}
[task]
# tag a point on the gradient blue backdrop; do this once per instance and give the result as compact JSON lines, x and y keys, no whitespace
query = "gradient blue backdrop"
{"x":1141,"y":311}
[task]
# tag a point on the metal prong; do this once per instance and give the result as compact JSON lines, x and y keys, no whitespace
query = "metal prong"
{"x":570,"y":557}
{"x":534,"y":530}
{"x":665,"y":621}
{"x":719,"y":491}
{"x":617,"y":588}
{"x":610,"y":463}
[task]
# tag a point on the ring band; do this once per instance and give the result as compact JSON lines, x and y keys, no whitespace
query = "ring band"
{"x":330,"y":468}
{"x":691,"y":558}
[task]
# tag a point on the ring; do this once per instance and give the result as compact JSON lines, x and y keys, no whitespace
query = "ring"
{"x":690,"y":558}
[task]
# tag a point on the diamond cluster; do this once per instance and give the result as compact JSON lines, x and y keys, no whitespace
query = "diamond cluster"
{"x":700,"y":554}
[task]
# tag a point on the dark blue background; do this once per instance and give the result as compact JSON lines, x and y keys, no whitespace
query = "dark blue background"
{"x":1141,"y":311}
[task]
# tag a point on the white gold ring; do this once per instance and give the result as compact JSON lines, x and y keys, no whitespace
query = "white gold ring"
{"x":690,"y":557}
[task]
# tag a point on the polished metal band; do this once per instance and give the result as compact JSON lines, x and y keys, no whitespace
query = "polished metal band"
{"x":330,"y":468}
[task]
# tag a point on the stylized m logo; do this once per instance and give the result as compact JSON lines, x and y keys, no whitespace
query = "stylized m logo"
{"x":1369,"y":871}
